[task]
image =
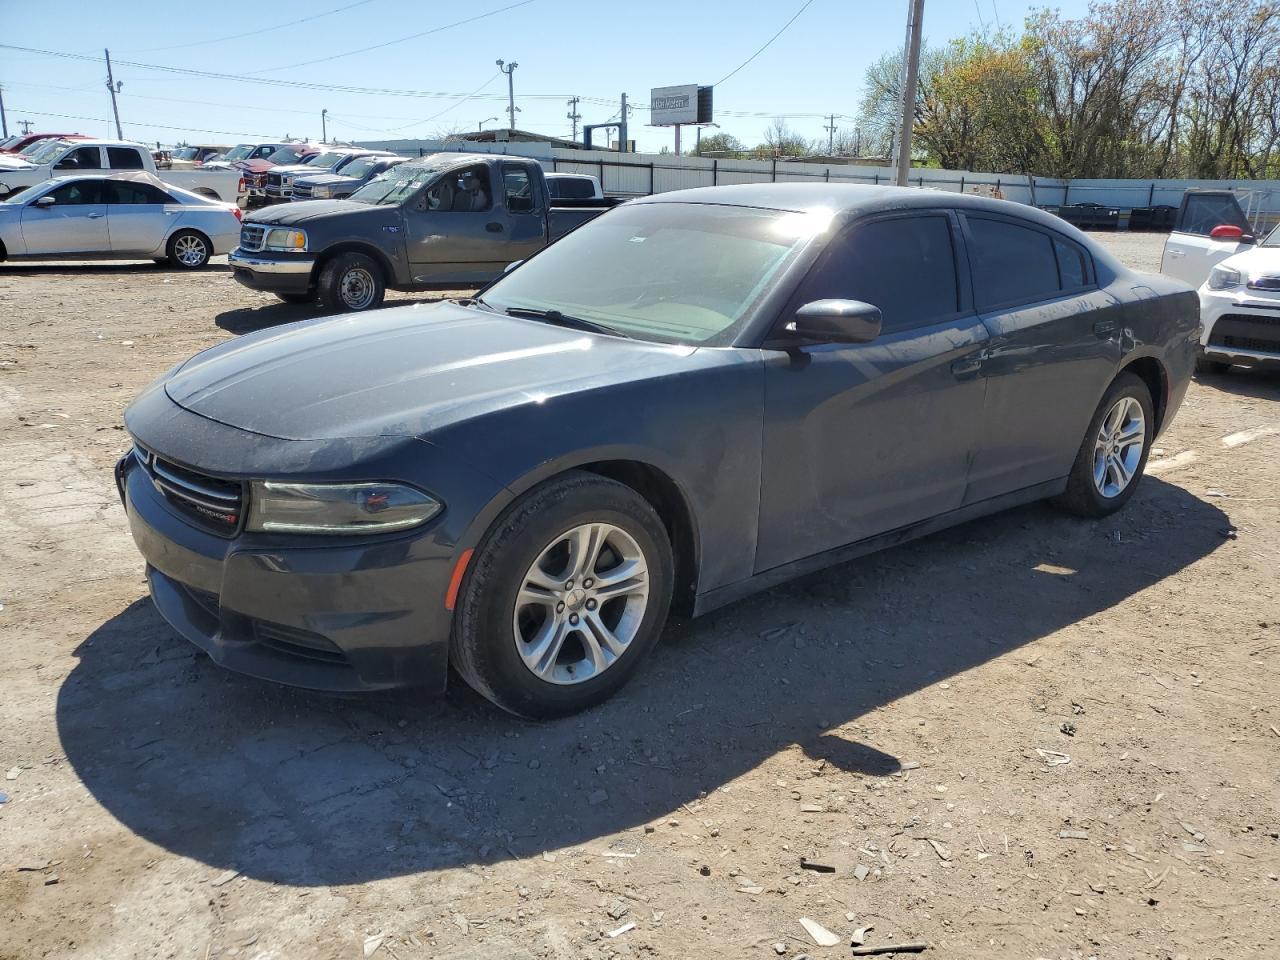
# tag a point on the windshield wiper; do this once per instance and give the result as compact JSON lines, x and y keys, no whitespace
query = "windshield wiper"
{"x":565,"y":320}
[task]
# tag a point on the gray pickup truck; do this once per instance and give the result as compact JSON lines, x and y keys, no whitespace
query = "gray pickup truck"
{"x":447,"y":220}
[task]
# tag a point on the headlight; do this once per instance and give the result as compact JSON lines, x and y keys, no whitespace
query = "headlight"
{"x":1224,"y":278}
{"x":286,"y":240}
{"x":338,"y":508}
{"x":322,"y":193}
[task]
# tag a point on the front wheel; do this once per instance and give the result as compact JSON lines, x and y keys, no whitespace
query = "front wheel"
{"x":565,"y":595}
{"x":349,"y":282}
{"x":189,"y":250}
{"x":1113,"y":456}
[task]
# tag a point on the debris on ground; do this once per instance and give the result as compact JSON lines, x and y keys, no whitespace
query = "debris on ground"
{"x":224,"y":878}
{"x":915,"y":946}
{"x":820,"y":934}
{"x":371,"y":944}
{"x":860,"y":935}
{"x":1073,"y":834}
{"x":806,"y":864}
{"x":621,"y":930}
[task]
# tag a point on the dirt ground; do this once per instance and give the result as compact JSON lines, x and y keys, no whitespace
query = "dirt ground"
{"x":906,"y":719}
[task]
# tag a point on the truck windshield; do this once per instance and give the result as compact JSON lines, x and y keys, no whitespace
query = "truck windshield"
{"x":394,"y":185}
{"x":359,"y":168}
{"x":670,"y":272}
{"x":241,"y":151}
{"x":286,"y":155}
{"x":47,"y":151}
{"x":324,"y":159}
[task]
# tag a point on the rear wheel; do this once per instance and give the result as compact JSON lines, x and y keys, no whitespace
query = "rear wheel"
{"x":299,"y":298}
{"x":1205,"y":365}
{"x":189,"y":250}
{"x":564,"y":596}
{"x":1113,"y":456}
{"x":351,"y":281}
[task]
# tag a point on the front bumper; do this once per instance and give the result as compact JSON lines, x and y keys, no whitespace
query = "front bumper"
{"x":1240,"y":326}
{"x":258,"y":271}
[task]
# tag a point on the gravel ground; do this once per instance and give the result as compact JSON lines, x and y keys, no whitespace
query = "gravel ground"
{"x":1028,"y":737}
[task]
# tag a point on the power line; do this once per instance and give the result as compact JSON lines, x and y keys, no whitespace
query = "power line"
{"x":141,"y":123}
{"x":803,"y":7}
{"x":254,"y":33}
{"x":388,"y":43}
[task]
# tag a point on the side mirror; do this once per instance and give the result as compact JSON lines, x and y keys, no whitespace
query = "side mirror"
{"x":511,"y":266}
{"x":45,"y":202}
{"x":1226,"y":231}
{"x":837,"y":321}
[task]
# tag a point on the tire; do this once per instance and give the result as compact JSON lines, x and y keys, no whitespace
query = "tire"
{"x":494,"y":633}
{"x":298,"y":298}
{"x":1205,"y":365}
{"x":351,"y":282}
{"x":1085,"y":495}
{"x":189,"y":250}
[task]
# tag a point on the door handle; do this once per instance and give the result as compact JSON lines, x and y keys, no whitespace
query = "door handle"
{"x":95,"y":216}
{"x":1106,"y":329}
{"x":968,"y":367}
{"x":494,"y":227}
{"x":1177,"y":253}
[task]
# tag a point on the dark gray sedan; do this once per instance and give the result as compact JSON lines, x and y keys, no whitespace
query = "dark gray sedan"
{"x":698,"y":395}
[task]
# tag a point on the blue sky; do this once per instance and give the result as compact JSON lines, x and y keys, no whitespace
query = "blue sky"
{"x":586,"y":48}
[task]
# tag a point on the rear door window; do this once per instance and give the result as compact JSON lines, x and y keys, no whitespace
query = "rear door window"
{"x":124,"y":158}
{"x":135,"y":193}
{"x":906,"y":266}
{"x":1011,"y":263}
{"x":1073,"y":264}
{"x":1202,"y":212}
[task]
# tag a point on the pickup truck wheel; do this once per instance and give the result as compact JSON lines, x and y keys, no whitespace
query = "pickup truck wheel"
{"x":1113,"y":456}
{"x":296,"y":297}
{"x":351,"y":281}
{"x":564,"y":596}
{"x":189,"y":250}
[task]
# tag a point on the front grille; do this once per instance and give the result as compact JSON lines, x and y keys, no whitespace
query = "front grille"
{"x":1243,"y":331}
{"x":302,"y":190}
{"x":274,"y":179}
{"x":212,"y":503}
{"x":295,"y":642}
{"x":252,"y":236}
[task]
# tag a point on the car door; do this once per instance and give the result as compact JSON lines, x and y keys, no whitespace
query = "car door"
{"x":454,"y":231}
{"x":860,"y":439}
{"x":526,"y":206}
{"x":1055,"y":345}
{"x":1190,"y":252}
{"x":75,"y":223}
{"x":139,"y":216}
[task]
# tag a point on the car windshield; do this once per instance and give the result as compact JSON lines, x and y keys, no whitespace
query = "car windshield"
{"x":394,"y":185}
{"x":240,"y":151}
{"x":359,"y":168}
{"x":671,"y":272}
{"x":286,"y":155}
{"x":46,"y":150}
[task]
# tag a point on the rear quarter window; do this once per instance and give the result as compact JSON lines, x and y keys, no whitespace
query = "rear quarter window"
{"x":1011,"y":263}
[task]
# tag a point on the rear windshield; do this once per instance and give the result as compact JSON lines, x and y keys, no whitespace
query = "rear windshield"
{"x":394,"y":185}
{"x":570,"y":188}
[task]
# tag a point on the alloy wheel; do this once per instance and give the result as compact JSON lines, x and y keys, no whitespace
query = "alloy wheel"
{"x":1117,"y":450}
{"x":190,"y":251}
{"x":581,"y":603}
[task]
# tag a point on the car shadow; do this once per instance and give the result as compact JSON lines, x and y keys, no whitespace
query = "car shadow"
{"x":1260,"y":383}
{"x":298,"y":788}
{"x":22,"y":268}
{"x":250,"y":319}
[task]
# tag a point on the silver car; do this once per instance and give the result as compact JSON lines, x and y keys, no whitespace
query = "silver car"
{"x":117,"y":216}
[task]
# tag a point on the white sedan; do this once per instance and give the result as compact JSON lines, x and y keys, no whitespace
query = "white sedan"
{"x":119,"y":216}
{"x":1240,"y":308}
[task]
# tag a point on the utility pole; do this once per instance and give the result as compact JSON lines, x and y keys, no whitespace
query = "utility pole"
{"x":831,"y":134}
{"x":509,"y":69}
{"x":4,"y":121}
{"x":324,"y":127}
{"x":622,"y":126}
{"x":574,"y":116}
{"x":26,"y":126}
{"x":910,"y":76}
{"x":114,"y":88}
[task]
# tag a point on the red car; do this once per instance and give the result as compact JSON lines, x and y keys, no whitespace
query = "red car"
{"x":16,"y":144}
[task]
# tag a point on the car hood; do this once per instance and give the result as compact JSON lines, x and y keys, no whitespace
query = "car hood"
{"x":325,"y":179}
{"x":1256,"y":262}
{"x":303,"y":211}
{"x":254,"y":166}
{"x":406,"y":371}
{"x":11,"y":161}
{"x":297,"y":168}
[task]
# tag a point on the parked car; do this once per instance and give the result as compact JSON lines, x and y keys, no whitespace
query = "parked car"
{"x":20,"y":142}
{"x":280,"y":178}
{"x":66,"y":157}
{"x":255,"y":159}
{"x":573,"y":186}
{"x":446,"y":220}
{"x":1210,"y":227}
{"x":698,"y":396}
{"x":1240,"y":309}
{"x":191,"y":156}
{"x":115,"y":216}
{"x":339,"y":186}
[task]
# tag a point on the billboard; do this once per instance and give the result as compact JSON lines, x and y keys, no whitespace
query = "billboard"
{"x":687,"y":103}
